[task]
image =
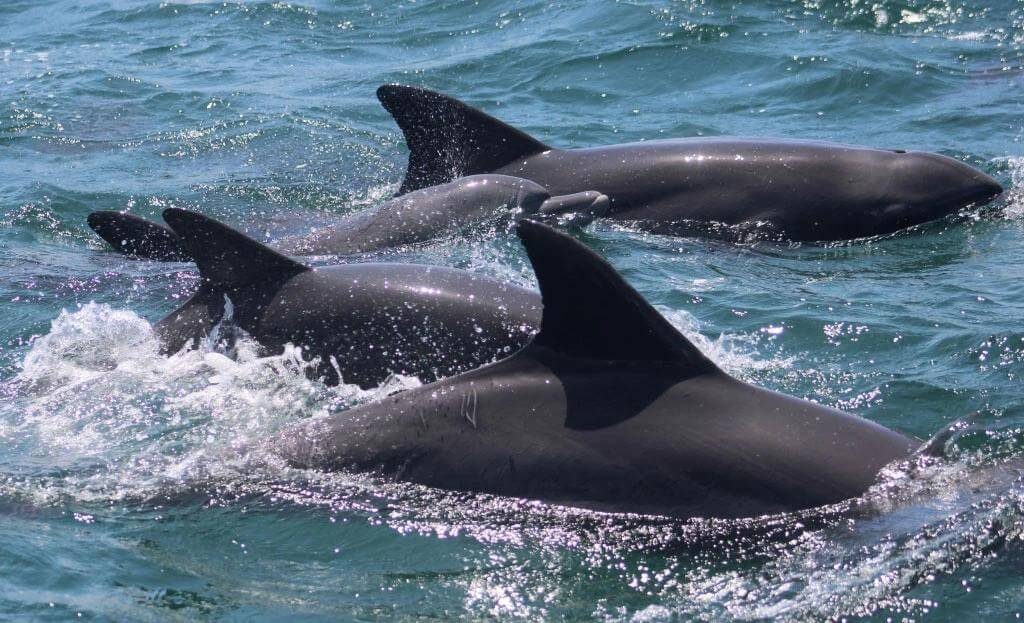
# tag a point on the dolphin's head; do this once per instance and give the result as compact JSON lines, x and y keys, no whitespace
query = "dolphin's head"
{"x":924,"y":186}
{"x":577,"y":209}
{"x":874,"y":191}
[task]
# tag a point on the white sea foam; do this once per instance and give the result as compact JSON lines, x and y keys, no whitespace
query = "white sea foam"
{"x":97,"y":402}
{"x":110,"y":419}
{"x":1015,"y":194}
{"x":374,"y":195}
{"x":737,"y":354}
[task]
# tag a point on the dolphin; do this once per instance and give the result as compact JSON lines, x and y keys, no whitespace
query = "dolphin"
{"x":800,"y":190}
{"x":608,"y":407}
{"x":362,"y":322}
{"x":415,"y":217}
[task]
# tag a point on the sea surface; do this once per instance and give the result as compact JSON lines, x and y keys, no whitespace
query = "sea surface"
{"x":118,"y":499}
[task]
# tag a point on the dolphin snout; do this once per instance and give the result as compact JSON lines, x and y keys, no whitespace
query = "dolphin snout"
{"x":579,"y":208}
{"x":984,"y":189}
{"x":927,"y":186}
{"x":954,"y":183}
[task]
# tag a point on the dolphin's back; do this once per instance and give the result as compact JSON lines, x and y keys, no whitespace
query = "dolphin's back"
{"x":608,"y":407}
{"x":420,"y":216}
{"x":800,"y":190}
{"x":708,"y":447}
{"x":362,"y":322}
{"x":423,"y":321}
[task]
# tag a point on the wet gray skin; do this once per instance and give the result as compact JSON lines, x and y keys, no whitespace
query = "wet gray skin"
{"x":416,"y":217}
{"x":609,"y":407}
{"x":801,"y":190}
{"x":363,"y":321}
{"x":447,"y":208}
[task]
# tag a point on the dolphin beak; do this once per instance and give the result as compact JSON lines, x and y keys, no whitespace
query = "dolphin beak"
{"x":577,"y":209}
{"x":947,"y":182}
{"x":984,"y":189}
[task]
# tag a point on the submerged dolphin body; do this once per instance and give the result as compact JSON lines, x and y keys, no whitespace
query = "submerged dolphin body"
{"x":801,"y":190}
{"x":416,"y":217}
{"x":363,"y":321}
{"x":609,"y":407}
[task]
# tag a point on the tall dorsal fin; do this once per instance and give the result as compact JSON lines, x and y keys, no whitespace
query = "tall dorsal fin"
{"x":137,"y":237}
{"x":228,"y":259}
{"x":590,"y":312}
{"x":448,"y":139}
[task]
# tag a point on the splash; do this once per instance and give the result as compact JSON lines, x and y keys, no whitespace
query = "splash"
{"x":110,"y":417}
{"x":1015,"y":195}
{"x":112,"y":420}
{"x":374,"y":195}
{"x":926,"y":520}
{"x":737,"y":354}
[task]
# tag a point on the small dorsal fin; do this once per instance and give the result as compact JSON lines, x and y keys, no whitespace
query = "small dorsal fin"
{"x":936,"y":446}
{"x":448,"y":139}
{"x":137,"y":237}
{"x":191,"y":322}
{"x":590,"y":312}
{"x":228,"y":259}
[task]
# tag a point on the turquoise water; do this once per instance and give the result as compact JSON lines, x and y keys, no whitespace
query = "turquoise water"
{"x":117,"y":497}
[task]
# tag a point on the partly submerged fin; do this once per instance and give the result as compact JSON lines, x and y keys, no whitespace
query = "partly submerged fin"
{"x":936,"y":446}
{"x":590,"y":311}
{"x":138,"y":237}
{"x":191,"y":322}
{"x":448,"y":139}
{"x":228,"y":259}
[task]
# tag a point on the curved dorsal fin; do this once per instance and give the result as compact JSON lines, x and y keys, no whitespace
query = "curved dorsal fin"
{"x":137,"y":237}
{"x":228,"y":259}
{"x":590,"y":312}
{"x":449,"y":139}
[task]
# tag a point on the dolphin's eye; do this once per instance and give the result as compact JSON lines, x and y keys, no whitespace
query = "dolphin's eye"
{"x":899,"y":151}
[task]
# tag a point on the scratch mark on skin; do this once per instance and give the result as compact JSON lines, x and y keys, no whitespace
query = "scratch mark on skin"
{"x":469,"y":404}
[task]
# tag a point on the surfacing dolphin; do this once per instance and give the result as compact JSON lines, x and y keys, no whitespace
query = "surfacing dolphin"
{"x":800,"y":190}
{"x":418,"y":216}
{"x":609,"y":407}
{"x":362,"y":321}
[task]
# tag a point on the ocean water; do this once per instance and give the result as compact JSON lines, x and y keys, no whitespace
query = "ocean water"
{"x":121,"y":494}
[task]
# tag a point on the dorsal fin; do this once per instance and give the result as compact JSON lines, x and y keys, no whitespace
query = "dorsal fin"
{"x":448,"y":139}
{"x":138,"y":237}
{"x":590,"y":312}
{"x":228,"y":259}
{"x":936,"y":446}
